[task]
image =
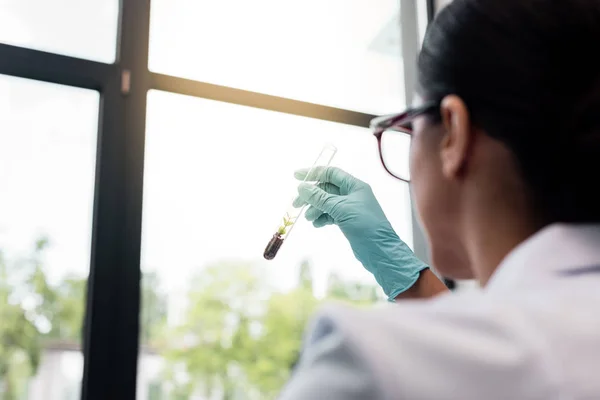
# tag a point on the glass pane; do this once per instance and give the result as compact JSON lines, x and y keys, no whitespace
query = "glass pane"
{"x":343,"y":53}
{"x":47,"y":166}
{"x":218,"y":319}
{"x":84,"y":29}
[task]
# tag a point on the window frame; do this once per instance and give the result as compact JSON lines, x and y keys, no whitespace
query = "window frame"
{"x":110,"y":334}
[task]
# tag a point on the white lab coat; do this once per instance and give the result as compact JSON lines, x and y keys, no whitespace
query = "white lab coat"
{"x":532,"y":333}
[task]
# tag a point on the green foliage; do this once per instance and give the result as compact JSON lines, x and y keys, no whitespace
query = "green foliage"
{"x":215,"y":335}
{"x":33,"y":311}
{"x":239,"y":339}
{"x":20,"y":343}
{"x":153,"y":313}
{"x":354,"y":293}
{"x":278,"y":347}
{"x":287,"y":222}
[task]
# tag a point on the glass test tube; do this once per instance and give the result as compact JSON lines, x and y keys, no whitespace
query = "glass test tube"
{"x":293,"y":214}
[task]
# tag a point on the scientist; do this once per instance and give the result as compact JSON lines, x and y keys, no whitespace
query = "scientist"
{"x":504,"y":166}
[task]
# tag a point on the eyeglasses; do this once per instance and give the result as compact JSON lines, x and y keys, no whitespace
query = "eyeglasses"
{"x":393,"y":133}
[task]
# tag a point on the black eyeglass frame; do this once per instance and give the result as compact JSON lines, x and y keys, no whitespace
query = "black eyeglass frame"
{"x":400,"y":123}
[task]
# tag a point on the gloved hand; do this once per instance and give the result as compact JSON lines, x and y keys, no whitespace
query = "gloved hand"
{"x":343,"y":200}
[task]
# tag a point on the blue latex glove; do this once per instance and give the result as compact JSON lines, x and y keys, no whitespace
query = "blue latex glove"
{"x":348,"y":202}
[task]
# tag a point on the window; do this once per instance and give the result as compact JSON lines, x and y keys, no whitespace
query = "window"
{"x":84,"y":29}
{"x":340,"y":53}
{"x":218,"y":179}
{"x":47,"y":166}
{"x":175,"y":165}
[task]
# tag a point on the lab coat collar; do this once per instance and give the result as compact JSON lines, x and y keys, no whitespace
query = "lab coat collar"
{"x":553,"y":252}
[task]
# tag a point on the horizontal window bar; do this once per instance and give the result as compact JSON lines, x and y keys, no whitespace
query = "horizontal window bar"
{"x":257,"y":100}
{"x":39,"y":65}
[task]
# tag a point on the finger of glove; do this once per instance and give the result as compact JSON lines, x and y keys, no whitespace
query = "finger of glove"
{"x":312,"y":214}
{"x":323,"y":220}
{"x":307,"y":174}
{"x":328,"y":187}
{"x":317,"y":197}
{"x":334,"y":175}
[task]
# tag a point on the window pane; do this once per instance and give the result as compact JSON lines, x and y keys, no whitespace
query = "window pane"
{"x":83,"y":29}
{"x":218,"y":180}
{"x":47,"y":165}
{"x":343,"y":53}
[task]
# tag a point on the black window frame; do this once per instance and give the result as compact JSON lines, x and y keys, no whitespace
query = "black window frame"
{"x":111,"y":328}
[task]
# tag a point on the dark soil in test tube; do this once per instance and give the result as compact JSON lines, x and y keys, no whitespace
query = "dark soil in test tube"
{"x":273,"y":246}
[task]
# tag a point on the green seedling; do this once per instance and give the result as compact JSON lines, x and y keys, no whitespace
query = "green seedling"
{"x":287,"y":222}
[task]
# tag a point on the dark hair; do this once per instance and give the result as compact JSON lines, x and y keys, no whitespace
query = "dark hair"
{"x":529,"y":73}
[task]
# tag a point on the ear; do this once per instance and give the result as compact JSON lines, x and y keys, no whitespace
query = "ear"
{"x":458,"y":137}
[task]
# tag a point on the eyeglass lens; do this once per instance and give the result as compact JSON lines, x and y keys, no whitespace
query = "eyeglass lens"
{"x":395,"y":147}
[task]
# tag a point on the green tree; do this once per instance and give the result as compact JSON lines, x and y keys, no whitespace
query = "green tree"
{"x":284,"y":323}
{"x":241,"y":339}
{"x":34,"y":311}
{"x":153,"y":313}
{"x":355,"y":293}
{"x":305,"y":276}
{"x":59,"y":308}
{"x":215,"y":342}
{"x":20,"y":343}
{"x":278,"y":347}
{"x":68,"y":307}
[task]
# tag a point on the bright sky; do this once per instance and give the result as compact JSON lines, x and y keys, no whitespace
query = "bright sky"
{"x":218,"y":176}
